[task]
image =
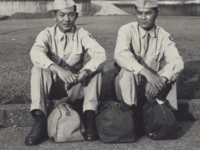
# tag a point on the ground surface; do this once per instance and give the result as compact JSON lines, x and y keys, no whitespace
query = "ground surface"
{"x":13,"y":138}
{"x":17,"y":37}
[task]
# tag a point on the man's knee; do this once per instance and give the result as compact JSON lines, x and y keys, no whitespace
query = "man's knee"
{"x":40,"y":73}
{"x":93,"y":78}
{"x":41,"y":82}
{"x":126,"y":87}
{"x":40,"y":78}
{"x":126,"y":78}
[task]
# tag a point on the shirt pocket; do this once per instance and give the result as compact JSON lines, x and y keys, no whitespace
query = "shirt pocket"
{"x":152,"y":58}
{"x":153,"y":62}
{"x":76,"y":58}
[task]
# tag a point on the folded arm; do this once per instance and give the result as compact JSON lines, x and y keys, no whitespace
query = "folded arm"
{"x":97,"y":56}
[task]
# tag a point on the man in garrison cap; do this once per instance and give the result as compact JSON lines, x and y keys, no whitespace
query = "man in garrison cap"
{"x":58,"y":63}
{"x":146,"y":56}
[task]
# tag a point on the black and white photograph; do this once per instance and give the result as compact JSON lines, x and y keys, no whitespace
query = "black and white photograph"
{"x":99,"y":75}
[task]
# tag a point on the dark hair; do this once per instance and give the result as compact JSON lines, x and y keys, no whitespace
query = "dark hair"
{"x":75,"y":8}
{"x":154,"y":8}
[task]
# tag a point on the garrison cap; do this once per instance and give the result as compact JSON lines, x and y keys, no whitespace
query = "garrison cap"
{"x":146,"y":3}
{"x":63,"y":4}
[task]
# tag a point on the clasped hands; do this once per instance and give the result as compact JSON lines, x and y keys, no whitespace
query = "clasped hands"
{"x":70,"y":79}
{"x":155,"y":84}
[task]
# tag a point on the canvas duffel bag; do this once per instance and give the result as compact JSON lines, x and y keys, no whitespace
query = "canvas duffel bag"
{"x":115,"y":122}
{"x":64,"y":123}
{"x":159,"y":121}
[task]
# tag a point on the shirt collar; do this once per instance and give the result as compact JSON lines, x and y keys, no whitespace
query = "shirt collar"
{"x":61,"y":35}
{"x":152,"y":32}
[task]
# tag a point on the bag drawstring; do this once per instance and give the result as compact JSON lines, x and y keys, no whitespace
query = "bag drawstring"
{"x":165,"y":116}
{"x":63,"y":100}
{"x":67,"y":111}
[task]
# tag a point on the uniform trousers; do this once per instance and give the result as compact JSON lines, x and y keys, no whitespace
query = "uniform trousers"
{"x":127,"y":85}
{"x":41,"y":88}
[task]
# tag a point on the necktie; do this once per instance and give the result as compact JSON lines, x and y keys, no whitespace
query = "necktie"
{"x":65,"y":42}
{"x":146,"y":42}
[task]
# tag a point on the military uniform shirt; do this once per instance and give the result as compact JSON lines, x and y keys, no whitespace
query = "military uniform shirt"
{"x":49,"y":48}
{"x":130,"y":53}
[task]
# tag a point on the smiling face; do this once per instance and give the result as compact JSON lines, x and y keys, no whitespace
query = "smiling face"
{"x":146,"y":17}
{"x":66,"y":18}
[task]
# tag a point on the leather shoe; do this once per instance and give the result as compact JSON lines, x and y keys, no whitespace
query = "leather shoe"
{"x":90,"y":126}
{"x":138,"y":119}
{"x":38,"y":131}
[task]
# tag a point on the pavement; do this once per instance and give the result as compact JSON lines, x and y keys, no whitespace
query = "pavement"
{"x":13,"y":138}
{"x":15,"y":122}
{"x":18,"y":115}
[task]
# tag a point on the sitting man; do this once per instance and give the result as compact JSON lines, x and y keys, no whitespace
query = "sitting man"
{"x":58,"y":57}
{"x":146,"y":56}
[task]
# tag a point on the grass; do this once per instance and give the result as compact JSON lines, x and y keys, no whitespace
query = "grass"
{"x":17,"y":37}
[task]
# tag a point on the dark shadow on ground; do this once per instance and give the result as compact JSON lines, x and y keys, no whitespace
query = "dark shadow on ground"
{"x":189,"y":81}
{"x":108,"y":88}
{"x":185,"y":127}
{"x":183,"y":113}
{"x":3,"y":17}
{"x":22,"y":15}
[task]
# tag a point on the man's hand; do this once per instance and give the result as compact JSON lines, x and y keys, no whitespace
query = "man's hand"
{"x":83,"y":75}
{"x":150,"y":91}
{"x":67,"y":76}
{"x":157,"y":82}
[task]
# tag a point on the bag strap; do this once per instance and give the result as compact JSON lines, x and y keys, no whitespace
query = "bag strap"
{"x":65,"y":100}
{"x":61,"y":101}
{"x":104,"y":104}
{"x":164,"y":102}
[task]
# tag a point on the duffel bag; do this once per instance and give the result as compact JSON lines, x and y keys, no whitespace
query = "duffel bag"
{"x":115,"y":122}
{"x":159,"y":121}
{"x":64,"y":124}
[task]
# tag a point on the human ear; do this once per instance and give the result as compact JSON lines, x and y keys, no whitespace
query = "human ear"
{"x":53,"y":14}
{"x":77,"y":15}
{"x":157,"y":12}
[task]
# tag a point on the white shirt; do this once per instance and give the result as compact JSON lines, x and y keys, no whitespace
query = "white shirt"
{"x":161,"y":54}
{"x":49,"y":49}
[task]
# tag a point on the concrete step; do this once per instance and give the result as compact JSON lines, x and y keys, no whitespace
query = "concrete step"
{"x":19,"y":115}
{"x":13,"y":138}
{"x":15,"y":115}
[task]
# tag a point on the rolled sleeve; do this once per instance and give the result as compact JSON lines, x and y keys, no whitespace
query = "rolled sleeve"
{"x":39,"y":51}
{"x":123,"y":55}
{"x":95,"y":51}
